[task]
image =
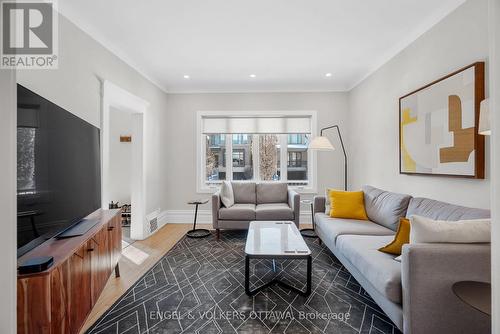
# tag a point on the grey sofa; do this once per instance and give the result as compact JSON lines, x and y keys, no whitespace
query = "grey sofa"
{"x":415,"y":293}
{"x":255,"y":201}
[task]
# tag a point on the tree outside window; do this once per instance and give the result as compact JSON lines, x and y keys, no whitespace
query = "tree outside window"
{"x":268,"y":157}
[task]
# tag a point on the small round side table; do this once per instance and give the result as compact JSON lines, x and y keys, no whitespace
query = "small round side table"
{"x":309,"y":232}
{"x":475,"y":294}
{"x":200,"y":232}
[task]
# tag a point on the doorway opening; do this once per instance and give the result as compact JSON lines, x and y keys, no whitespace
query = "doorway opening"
{"x":122,"y":139}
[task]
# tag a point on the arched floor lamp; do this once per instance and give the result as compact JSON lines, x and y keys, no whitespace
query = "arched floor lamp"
{"x":322,"y":143}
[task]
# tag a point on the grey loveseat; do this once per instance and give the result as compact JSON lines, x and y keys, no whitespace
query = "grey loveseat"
{"x":255,"y":201}
{"x":415,"y":293}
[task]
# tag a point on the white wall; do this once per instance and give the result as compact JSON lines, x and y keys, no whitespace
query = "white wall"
{"x":120,"y":154}
{"x":8,"y":201}
{"x":494,"y":20}
{"x":459,"y":40}
{"x":178,"y":158}
{"x":76,"y":86}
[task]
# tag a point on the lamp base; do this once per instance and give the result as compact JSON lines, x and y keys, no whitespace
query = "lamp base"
{"x":308,"y":233}
{"x":198,"y":233}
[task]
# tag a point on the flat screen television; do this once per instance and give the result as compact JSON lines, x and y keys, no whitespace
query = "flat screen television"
{"x":58,"y":170}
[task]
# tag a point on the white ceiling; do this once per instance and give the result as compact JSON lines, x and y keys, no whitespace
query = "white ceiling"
{"x":288,"y":44}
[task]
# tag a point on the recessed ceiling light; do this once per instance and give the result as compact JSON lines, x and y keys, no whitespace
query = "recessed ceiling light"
{"x":252,"y":75}
{"x":328,"y":75}
{"x":186,"y":76}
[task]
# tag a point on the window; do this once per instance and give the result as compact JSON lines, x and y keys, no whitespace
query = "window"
{"x":266,"y":149}
{"x":215,"y":166}
{"x":296,"y":139}
{"x":238,"y":158}
{"x":240,"y":139}
{"x":294,"y":159}
{"x":269,"y":157}
{"x":268,"y":152}
{"x":297,"y":165}
{"x":242,"y":157}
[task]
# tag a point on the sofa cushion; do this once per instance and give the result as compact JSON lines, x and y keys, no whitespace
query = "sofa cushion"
{"x":331,"y":228}
{"x":347,"y":204}
{"x":428,"y":230}
{"x":328,"y":205}
{"x":238,"y":211}
{"x":430,"y":208}
{"x":385,"y":207}
{"x":226,"y":194}
{"x":378,"y":268}
{"x":401,"y":238}
{"x":274,"y":211}
{"x":272,"y":192}
{"x":244,"y":192}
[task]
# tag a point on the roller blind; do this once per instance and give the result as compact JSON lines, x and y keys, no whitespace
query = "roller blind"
{"x":256,"y":124}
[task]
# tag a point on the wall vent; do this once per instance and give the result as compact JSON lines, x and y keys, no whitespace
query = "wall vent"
{"x":153,"y":225}
{"x":152,"y":218}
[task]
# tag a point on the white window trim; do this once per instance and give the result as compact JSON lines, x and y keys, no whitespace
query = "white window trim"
{"x":203,"y":188}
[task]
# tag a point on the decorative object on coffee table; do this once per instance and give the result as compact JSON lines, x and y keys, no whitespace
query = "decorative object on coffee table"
{"x":475,"y":294}
{"x":322,"y":143}
{"x":309,"y":232}
{"x":283,"y":241}
{"x":200,"y":232}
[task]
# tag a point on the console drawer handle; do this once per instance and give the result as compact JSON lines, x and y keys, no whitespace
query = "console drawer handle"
{"x":111,"y":228}
{"x":90,"y":250}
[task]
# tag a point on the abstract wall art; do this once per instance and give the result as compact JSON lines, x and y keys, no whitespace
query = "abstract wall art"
{"x":438,"y":126}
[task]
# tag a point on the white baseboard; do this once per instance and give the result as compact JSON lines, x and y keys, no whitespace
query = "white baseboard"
{"x":204,"y":217}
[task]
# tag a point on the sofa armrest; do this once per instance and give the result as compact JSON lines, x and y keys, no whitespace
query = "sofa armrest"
{"x":215,"y":209}
{"x":319,"y":204}
{"x":294,"y":203}
{"x":428,"y":272}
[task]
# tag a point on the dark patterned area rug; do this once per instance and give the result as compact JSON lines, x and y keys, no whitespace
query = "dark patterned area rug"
{"x":198,"y":287}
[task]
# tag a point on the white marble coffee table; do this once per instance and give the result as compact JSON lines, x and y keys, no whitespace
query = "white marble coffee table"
{"x":275,"y":240}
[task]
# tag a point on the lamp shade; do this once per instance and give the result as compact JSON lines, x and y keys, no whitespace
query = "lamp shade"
{"x":320,"y":143}
{"x":484,"y":118}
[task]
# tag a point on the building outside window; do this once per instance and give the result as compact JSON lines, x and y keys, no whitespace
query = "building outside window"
{"x":295,"y":159}
{"x":240,"y":139}
{"x":238,"y":158}
{"x":296,"y":139}
{"x":242,"y":157}
{"x":215,"y":166}
{"x":297,"y":164}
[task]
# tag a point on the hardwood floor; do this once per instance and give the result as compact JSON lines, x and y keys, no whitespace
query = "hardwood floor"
{"x":136,"y":259}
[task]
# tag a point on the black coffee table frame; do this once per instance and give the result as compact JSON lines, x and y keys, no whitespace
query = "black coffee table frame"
{"x":293,"y":256}
{"x":197,"y":232}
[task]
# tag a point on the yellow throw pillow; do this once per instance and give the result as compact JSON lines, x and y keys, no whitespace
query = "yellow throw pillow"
{"x":347,"y":204}
{"x":402,"y":237}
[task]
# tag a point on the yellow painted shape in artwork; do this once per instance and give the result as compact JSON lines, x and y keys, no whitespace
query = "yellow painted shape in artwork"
{"x":409,"y":165}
